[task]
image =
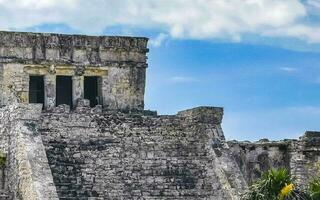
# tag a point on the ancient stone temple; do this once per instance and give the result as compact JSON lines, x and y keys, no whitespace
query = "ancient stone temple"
{"x":73,"y":126}
{"x":54,"y":69}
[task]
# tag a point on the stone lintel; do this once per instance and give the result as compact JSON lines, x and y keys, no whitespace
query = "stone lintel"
{"x":49,"y":91}
{"x":65,"y":70}
{"x":77,"y":88}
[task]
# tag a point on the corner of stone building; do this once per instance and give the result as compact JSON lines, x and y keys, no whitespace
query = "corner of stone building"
{"x":305,"y":153}
{"x":299,"y":156}
{"x":205,"y":115}
{"x":28,"y":175}
{"x":226,"y":170}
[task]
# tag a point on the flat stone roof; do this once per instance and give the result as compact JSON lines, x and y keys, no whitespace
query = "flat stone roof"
{"x":27,"y":47}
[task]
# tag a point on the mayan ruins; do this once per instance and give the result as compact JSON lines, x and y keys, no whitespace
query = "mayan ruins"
{"x":73,"y":126}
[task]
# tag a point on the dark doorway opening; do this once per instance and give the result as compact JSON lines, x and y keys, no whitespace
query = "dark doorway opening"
{"x":36,"y":89}
{"x":91,"y":90}
{"x":64,"y":90}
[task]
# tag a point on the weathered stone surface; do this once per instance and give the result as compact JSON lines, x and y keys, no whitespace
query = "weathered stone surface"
{"x":204,"y":114}
{"x":48,"y":48}
{"x":256,"y":158}
{"x":113,"y":155}
{"x":300,"y":157}
{"x":4,"y":195}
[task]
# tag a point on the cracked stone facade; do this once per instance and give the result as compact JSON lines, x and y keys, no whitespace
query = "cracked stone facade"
{"x":116,"y":149}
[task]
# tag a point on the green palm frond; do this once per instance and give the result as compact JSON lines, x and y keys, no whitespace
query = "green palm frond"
{"x":269,"y":186}
{"x":314,"y":188}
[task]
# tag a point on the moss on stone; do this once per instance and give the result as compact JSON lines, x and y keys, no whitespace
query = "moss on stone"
{"x":2,"y":159}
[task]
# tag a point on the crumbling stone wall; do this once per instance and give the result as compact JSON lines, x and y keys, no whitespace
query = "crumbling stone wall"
{"x":301,"y":157}
{"x":256,"y":158}
{"x":114,"y":155}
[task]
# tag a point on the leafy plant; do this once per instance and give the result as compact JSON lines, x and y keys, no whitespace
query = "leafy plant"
{"x":269,"y":186}
{"x":275,"y":184}
{"x":2,"y":159}
{"x":314,"y":189}
{"x":314,"y":185}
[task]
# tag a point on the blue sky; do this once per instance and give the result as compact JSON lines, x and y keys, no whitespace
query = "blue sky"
{"x":266,"y":91}
{"x":259,"y":59}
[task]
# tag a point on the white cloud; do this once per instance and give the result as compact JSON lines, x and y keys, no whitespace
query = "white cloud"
{"x":304,"y":32}
{"x":183,"y":79}
{"x":197,"y":19}
{"x":314,"y":3}
{"x":288,"y":69}
{"x":157,"y":42}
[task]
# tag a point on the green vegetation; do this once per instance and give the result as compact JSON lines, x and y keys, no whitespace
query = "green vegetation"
{"x":2,"y":160}
{"x":314,"y":188}
{"x":277,"y":184}
{"x":314,"y":185}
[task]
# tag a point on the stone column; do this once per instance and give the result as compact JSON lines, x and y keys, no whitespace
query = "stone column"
{"x":50,"y":91}
{"x":22,"y":88}
{"x":105,"y":91}
{"x":77,"y":88}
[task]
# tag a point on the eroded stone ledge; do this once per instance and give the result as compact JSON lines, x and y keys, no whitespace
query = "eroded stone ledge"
{"x":50,"y":48}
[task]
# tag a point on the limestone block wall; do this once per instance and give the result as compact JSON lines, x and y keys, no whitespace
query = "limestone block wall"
{"x":119,"y":62}
{"x":15,"y":84}
{"x":124,"y":86}
{"x":115,"y":155}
